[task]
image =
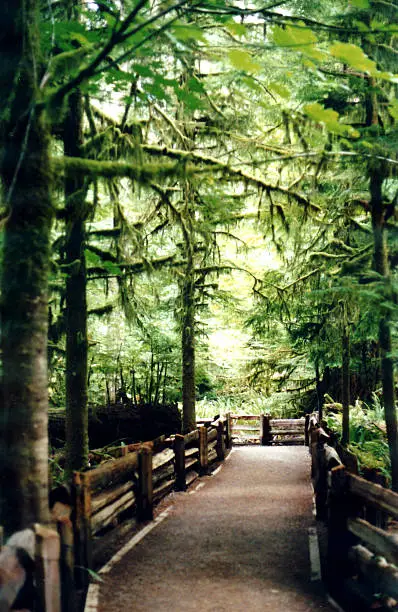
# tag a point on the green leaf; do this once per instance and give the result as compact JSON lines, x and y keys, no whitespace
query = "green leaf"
{"x":242,"y":60}
{"x":156,"y":90}
{"x":301,"y":37}
{"x":236,"y":29}
{"x":143,"y":71}
{"x":393,"y":109}
{"x":189,"y":99}
{"x":283,"y":37}
{"x":352,"y":55}
{"x":186,"y":32}
{"x":361,"y":4}
{"x":330,"y":119}
{"x":279,"y":89}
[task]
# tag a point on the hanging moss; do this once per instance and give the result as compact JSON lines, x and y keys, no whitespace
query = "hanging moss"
{"x":143,"y":174}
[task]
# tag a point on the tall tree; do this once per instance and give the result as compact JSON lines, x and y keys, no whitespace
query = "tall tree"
{"x":76,"y":211}
{"x":26,"y":177}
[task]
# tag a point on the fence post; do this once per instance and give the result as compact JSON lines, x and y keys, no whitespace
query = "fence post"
{"x":228,"y":430}
{"x":339,"y":539}
{"x":81,"y":497}
{"x":203,"y":451}
{"x":220,"y":446}
{"x":145,"y":492}
{"x":67,"y":567}
{"x":265,"y":430}
{"x":179,"y":462}
{"x":306,"y":430}
{"x":47,"y":553}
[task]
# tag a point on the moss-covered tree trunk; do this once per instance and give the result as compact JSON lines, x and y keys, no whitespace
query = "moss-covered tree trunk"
{"x":188,"y":352}
{"x":188,"y":316}
{"x":377,"y":174}
{"x":387,"y":367}
{"x":25,"y":173}
{"x":76,"y":302}
{"x":345,"y":391}
{"x":345,"y":394}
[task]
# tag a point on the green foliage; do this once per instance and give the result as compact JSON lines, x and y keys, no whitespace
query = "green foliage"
{"x":250,"y":95}
{"x":367,"y":435}
{"x":278,"y":405}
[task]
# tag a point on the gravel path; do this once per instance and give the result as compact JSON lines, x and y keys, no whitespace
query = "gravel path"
{"x":238,"y":544}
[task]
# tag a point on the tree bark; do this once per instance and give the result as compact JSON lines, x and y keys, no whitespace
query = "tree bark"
{"x":377,"y":174}
{"x":319,"y":394}
{"x":26,"y":177}
{"x":188,"y":353}
{"x":387,"y":367}
{"x":76,"y":301}
{"x":345,"y":342}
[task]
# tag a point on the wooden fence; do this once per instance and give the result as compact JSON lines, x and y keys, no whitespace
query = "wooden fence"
{"x":133,"y":482}
{"x":135,"y":477}
{"x":262,"y":429}
{"x":130,"y":483}
{"x":362,"y":550}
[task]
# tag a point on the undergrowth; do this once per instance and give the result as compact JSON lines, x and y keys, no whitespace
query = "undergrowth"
{"x":278,"y":405}
{"x":367,"y":434}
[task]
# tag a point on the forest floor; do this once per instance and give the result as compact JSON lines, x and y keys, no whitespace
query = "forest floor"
{"x":237,"y":541}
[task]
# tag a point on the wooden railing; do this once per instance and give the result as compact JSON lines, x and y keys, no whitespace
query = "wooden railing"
{"x":129,"y":484}
{"x":265,"y":430}
{"x":362,"y":551}
{"x":133,"y":482}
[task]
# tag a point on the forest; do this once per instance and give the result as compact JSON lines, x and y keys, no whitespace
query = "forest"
{"x":198,"y":214}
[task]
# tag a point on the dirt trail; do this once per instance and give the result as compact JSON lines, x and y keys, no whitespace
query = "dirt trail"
{"x":238,"y":544}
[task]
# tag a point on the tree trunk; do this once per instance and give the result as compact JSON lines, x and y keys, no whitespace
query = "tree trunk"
{"x":188,"y":321}
{"x":377,"y":175}
{"x":188,"y":353}
{"x":76,"y":303}
{"x":319,"y":395}
{"x":26,"y":177}
{"x":345,"y":341}
{"x":387,"y":367}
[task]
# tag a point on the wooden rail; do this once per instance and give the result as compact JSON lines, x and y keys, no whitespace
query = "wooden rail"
{"x":264,"y":430}
{"x":362,"y":552}
{"x":139,"y":477}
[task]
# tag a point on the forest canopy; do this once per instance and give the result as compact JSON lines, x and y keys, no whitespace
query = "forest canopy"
{"x":199,"y":200}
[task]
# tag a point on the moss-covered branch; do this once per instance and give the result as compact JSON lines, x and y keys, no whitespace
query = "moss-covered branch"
{"x":104,"y":255}
{"x":230,"y":171}
{"x":143,"y":173}
{"x":135,"y":267}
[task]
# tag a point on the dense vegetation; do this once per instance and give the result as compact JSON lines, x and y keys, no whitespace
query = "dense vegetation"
{"x":199,"y":203}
